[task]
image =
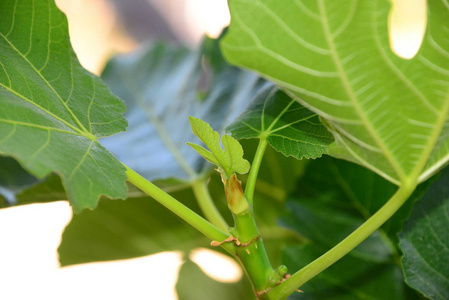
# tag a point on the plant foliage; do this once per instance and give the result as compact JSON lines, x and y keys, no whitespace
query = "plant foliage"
{"x":386,"y":113}
{"x":340,"y":91}
{"x":54,"y":111}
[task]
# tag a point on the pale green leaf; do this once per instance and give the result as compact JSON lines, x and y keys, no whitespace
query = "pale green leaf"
{"x":386,"y":113}
{"x":289,"y":127}
{"x":52,"y":110}
{"x":230,"y":160}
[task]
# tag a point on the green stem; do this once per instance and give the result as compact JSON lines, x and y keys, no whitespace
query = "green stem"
{"x":252,"y":177}
{"x":285,"y":289}
{"x":179,"y":209}
{"x":207,"y":205}
{"x":251,"y":252}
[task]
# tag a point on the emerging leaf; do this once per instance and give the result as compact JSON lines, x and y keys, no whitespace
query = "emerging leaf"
{"x":289,"y":127}
{"x":230,"y":160}
{"x":52,"y":110}
{"x":386,"y":113}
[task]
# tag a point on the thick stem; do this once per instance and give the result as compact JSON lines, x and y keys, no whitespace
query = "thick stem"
{"x":249,"y":245}
{"x":207,"y":205}
{"x":252,"y":177}
{"x":251,"y":252}
{"x":285,"y":289}
{"x":179,"y":209}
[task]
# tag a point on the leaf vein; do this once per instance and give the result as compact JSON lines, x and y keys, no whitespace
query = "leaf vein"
{"x":75,"y":170}
{"x":82,"y":128}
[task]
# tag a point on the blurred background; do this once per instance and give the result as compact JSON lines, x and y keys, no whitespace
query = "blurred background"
{"x":30,"y":235}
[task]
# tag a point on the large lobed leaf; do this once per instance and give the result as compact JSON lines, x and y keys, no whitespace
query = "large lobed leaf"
{"x":289,"y":127}
{"x":52,"y":110}
{"x":387,"y":114}
{"x":162,"y":86}
{"x":425,"y":242}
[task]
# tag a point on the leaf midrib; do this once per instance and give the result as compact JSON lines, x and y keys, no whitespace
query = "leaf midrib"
{"x":350,"y":93}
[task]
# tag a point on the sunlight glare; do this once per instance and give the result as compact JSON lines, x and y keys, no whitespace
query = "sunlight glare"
{"x":207,"y":16}
{"x":216,"y":265}
{"x":407,"y":26}
{"x":29,"y":267}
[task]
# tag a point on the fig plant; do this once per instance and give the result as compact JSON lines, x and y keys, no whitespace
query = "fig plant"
{"x":329,"y":85}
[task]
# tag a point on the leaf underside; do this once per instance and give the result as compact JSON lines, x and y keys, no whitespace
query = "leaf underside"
{"x":289,"y":127}
{"x":52,"y":110}
{"x":387,"y":114}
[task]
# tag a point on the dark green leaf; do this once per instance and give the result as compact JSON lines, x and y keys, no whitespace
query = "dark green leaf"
{"x":52,"y":110}
{"x":13,"y":179}
{"x":49,"y":189}
{"x":332,"y":199}
{"x":161,"y":85}
{"x":350,"y":278}
{"x":193,"y":284}
{"x":425,"y":242}
{"x":126,"y":229}
{"x":325,"y":208}
{"x":289,"y":127}
{"x":386,"y":113}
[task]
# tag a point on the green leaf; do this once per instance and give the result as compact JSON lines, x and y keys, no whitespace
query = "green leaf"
{"x":325,"y":209}
{"x":193,"y":284}
{"x":46,"y":190}
{"x":13,"y":180}
{"x":230,"y":160}
{"x":386,"y":113}
{"x":349,"y":279}
{"x":162,"y":86}
{"x":289,"y":127}
{"x":126,"y":229}
{"x":53,"y":111}
{"x":139,"y":226}
{"x":425,"y":242}
{"x":332,"y":199}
